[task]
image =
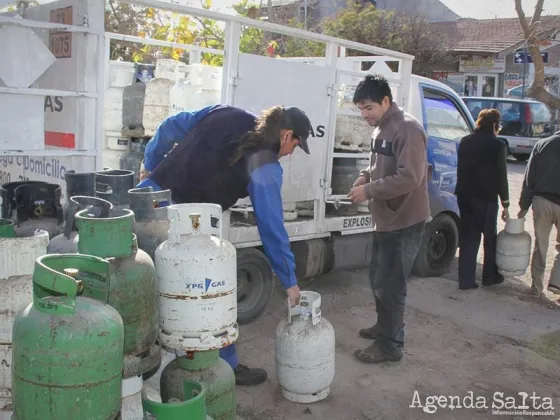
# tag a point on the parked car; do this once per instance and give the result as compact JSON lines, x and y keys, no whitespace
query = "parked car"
{"x":524,"y":121}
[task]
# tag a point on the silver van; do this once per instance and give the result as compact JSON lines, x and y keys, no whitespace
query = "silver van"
{"x":524,"y":121}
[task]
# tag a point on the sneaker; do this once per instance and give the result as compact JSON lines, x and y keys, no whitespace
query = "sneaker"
{"x":249,"y":377}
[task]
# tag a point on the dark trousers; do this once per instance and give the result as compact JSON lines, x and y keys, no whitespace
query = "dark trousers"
{"x":393,"y":254}
{"x":478,"y":217}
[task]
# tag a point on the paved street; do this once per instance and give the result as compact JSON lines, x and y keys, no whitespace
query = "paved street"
{"x":482,"y":341}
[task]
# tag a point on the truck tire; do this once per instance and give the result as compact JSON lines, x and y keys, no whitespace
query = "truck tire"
{"x":438,"y":247}
{"x":255,"y":284}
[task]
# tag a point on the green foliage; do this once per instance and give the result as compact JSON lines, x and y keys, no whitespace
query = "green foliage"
{"x":391,"y":30}
{"x":173,"y":27}
{"x":358,"y":22}
{"x":297,"y":47}
{"x":212,"y":35}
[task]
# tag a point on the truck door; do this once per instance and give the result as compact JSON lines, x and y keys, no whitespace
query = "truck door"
{"x":263,"y":82}
{"x":446,"y":123}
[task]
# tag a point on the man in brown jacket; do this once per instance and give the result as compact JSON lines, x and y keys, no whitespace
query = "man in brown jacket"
{"x":395,"y":183}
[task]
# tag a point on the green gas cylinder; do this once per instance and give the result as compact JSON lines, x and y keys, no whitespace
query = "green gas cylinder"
{"x":68,"y":349}
{"x":191,"y":406}
{"x":214,"y":373}
{"x":7,"y":229}
{"x":133,"y":291}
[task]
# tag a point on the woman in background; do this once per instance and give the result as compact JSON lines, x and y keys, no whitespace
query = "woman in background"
{"x":481,"y":179}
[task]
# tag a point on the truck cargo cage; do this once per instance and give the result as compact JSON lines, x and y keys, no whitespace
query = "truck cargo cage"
{"x":34,"y":49}
{"x":97,"y":130}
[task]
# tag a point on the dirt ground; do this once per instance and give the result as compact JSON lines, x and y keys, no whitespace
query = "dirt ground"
{"x":480,"y":342}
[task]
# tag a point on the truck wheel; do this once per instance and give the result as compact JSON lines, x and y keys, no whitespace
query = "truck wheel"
{"x":438,"y":247}
{"x":255,"y":284}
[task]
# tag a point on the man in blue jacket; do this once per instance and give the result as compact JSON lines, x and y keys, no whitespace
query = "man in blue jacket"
{"x":221,"y":154}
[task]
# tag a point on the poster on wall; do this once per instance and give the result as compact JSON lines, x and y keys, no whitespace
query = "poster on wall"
{"x":454,"y":80}
{"x":513,"y":84}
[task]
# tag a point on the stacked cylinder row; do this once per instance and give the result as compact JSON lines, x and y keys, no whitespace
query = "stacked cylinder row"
{"x":87,"y":316}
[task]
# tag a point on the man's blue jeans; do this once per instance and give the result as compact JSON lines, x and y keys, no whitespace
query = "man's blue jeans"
{"x":229,"y":353}
{"x":393,"y":254}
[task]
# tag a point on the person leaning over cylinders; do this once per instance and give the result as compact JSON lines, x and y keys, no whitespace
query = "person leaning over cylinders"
{"x":220,"y":154}
{"x":395,"y":183}
{"x":481,"y":178}
{"x":541,"y":189}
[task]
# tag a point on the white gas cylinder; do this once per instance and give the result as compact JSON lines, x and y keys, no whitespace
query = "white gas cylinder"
{"x":305,"y":352}
{"x":111,"y":158}
{"x":513,"y":248}
{"x":168,"y":68}
{"x":352,"y":133}
{"x":156,"y":104}
{"x":120,"y":76}
{"x":289,"y":211}
{"x":115,"y":146}
{"x":121,"y":73}
{"x":197,"y":281}
{"x":131,"y":398}
{"x":181,"y":95}
{"x":210,"y":87}
{"x":113,"y":108}
{"x":115,"y":141}
{"x":17,"y":262}
{"x":305,"y":209}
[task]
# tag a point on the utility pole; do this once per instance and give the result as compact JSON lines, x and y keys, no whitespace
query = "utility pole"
{"x":305,"y":13}
{"x":524,"y":70}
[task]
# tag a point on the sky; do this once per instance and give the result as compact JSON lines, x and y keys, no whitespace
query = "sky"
{"x":490,"y":9}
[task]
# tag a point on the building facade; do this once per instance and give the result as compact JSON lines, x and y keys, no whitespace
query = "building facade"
{"x":491,"y":57}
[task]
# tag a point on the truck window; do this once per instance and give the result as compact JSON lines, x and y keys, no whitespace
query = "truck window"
{"x":444,"y":120}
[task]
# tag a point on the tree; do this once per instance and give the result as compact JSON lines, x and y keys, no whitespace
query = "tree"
{"x":145,"y":22}
{"x":533,"y":35}
{"x":212,"y":35}
{"x":362,"y":22}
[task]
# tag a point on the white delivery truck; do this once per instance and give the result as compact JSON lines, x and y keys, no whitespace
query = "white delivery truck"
{"x":53,"y":96}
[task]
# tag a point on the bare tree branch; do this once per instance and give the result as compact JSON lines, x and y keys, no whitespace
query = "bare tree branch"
{"x":538,"y":12}
{"x":522,"y":18}
{"x":532,"y":38}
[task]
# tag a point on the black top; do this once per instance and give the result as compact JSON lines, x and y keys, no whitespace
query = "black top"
{"x":542,"y":175}
{"x":482,"y":168}
{"x":197,"y":170}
